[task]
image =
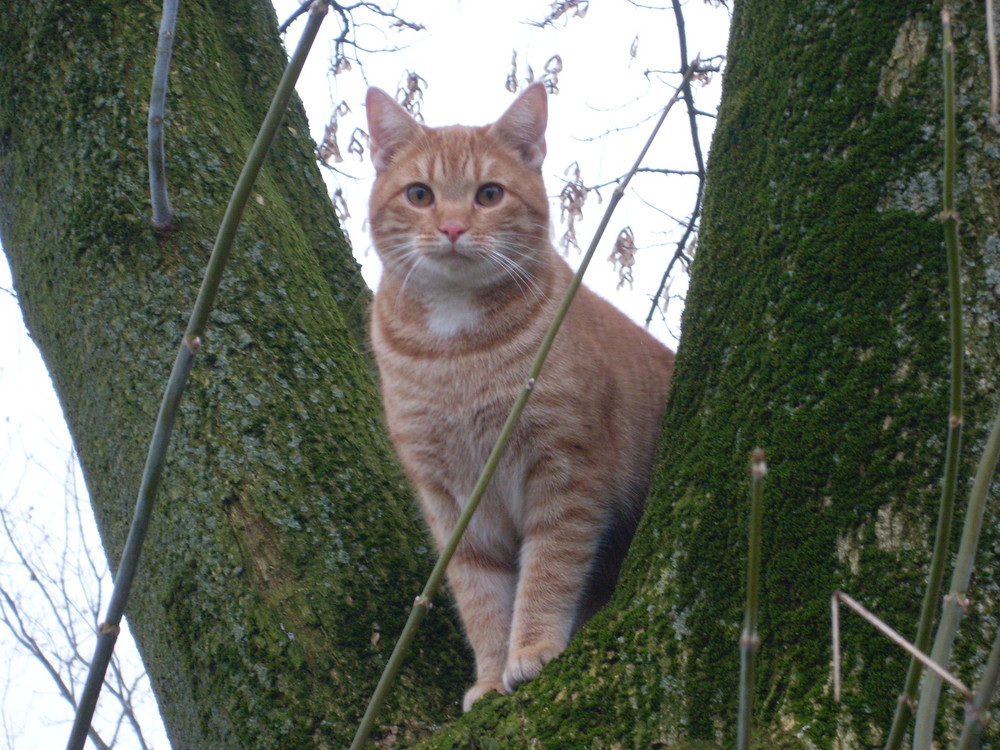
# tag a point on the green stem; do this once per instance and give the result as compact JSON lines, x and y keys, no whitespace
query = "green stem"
{"x":190,"y":345}
{"x":904,"y":707}
{"x":422,"y":602}
{"x":839,"y":597}
{"x":972,"y":731}
{"x":750,"y":640}
{"x":955,"y":602}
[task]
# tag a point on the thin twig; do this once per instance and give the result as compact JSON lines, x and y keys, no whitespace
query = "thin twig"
{"x":648,"y":170}
{"x":163,"y":213}
{"x":190,"y":345}
{"x":750,"y":640}
{"x":422,"y":603}
{"x":954,"y":440}
{"x":991,"y":45}
{"x":291,"y":19}
{"x":699,"y":159}
{"x":975,"y":722}
{"x":956,"y":603}
{"x":11,"y":617}
{"x":344,"y":39}
{"x":840,"y":596}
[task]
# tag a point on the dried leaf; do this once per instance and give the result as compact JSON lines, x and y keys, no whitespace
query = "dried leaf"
{"x":566,"y":9}
{"x":340,"y":205}
{"x":511,"y":84}
{"x":622,"y":257}
{"x":411,"y":94}
{"x":571,"y":200}
{"x":329,"y":149}
{"x":341,"y":65}
{"x":553,"y":67}
{"x":356,"y":147}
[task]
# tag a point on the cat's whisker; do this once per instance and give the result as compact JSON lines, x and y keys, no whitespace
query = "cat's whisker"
{"x":524,"y":280}
{"x":419,"y":259}
{"x":520,"y":260}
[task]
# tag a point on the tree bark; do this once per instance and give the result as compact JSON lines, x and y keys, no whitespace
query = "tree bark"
{"x":284,"y":550}
{"x":815,"y":327}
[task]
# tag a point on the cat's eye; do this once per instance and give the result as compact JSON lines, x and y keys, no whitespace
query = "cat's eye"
{"x":489,"y":195}
{"x":419,"y":195}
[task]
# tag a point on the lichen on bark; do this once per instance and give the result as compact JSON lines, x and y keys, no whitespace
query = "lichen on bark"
{"x":284,"y":541}
{"x":815,"y":328}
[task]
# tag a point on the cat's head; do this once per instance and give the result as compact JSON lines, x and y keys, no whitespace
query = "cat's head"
{"x":463,"y":206}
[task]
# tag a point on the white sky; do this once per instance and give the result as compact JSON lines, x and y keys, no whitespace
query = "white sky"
{"x":465,"y":57}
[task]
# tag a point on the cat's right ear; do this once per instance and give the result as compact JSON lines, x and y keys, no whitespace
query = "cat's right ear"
{"x":390,"y":127}
{"x":522,"y":126}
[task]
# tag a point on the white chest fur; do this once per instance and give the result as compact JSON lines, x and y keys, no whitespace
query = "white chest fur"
{"x":450,"y":313}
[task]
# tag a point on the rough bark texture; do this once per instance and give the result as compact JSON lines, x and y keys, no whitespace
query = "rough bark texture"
{"x":284,"y":550}
{"x":814,"y":327}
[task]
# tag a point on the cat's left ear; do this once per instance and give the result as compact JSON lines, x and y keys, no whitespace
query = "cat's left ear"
{"x":523,"y":125}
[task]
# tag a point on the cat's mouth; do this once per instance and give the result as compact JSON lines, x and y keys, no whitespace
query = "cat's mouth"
{"x":453,"y":253}
{"x":466,"y":265}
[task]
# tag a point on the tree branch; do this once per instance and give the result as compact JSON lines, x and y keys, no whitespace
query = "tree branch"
{"x":163,"y":213}
{"x":190,"y":345}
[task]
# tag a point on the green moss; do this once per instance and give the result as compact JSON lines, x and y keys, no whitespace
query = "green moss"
{"x":814,"y":327}
{"x":284,"y":550}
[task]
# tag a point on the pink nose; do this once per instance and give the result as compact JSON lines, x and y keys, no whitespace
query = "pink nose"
{"x":453,"y":229}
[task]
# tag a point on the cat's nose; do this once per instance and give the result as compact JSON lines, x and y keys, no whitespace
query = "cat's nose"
{"x":453,"y":229}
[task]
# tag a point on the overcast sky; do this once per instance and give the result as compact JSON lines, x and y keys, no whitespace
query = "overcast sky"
{"x":465,"y":58}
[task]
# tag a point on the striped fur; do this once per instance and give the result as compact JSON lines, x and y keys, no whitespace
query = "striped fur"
{"x":469,"y":286}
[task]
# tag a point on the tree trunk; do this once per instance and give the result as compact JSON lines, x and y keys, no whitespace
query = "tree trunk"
{"x":815,"y":327}
{"x":284,"y":550}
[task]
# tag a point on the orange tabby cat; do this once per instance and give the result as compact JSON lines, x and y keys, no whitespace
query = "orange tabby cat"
{"x":460,"y":219}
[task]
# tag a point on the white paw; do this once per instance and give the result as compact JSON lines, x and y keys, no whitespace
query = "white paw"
{"x":525,"y":664}
{"x":478,"y":690}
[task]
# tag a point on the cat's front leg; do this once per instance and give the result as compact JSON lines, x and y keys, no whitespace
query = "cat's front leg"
{"x":484,"y":587}
{"x":560,"y":540}
{"x":482,"y":576}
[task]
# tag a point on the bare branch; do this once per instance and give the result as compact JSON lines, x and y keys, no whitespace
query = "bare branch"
{"x":840,"y":596}
{"x":991,"y":44}
{"x":564,"y":9}
{"x":348,"y":26}
{"x":698,"y":155}
{"x":291,"y":19}
{"x":24,"y":628}
{"x":163,"y":213}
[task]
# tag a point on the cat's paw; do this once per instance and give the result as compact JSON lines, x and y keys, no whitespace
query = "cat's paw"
{"x":525,"y":664}
{"x":480,"y":689}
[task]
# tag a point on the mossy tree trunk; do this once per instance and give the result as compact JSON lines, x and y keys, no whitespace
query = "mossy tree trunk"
{"x":815,"y":327}
{"x":284,"y":548}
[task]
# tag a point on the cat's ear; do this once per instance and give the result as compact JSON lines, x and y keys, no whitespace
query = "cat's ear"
{"x":523,"y":125}
{"x":390,"y":127}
